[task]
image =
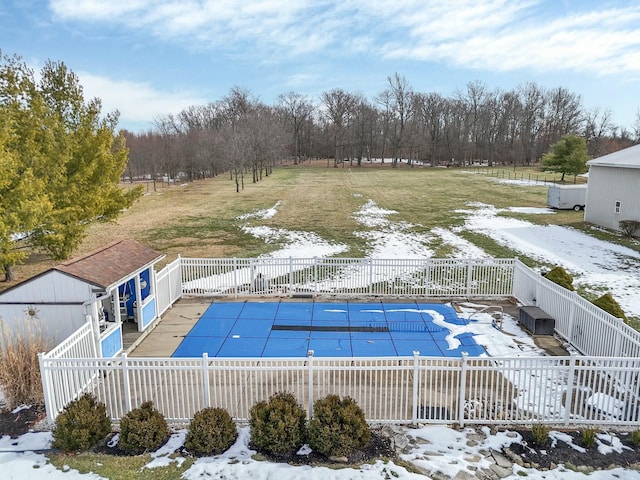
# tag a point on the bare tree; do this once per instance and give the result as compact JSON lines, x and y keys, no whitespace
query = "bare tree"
{"x":597,"y":126}
{"x":398,"y":102}
{"x":297,"y":109}
{"x":338,"y":107}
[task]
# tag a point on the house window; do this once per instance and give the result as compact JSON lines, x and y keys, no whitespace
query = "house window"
{"x":616,"y":209}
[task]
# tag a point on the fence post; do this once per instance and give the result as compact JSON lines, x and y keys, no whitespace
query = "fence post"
{"x":235,"y":276}
{"x":180,"y":279}
{"x":125,"y":383}
{"x":618,"y":341}
{"x":463,"y":388}
{"x":427,"y":278}
{"x":310,"y":382}
{"x":95,"y":333}
{"x":469,"y":276}
{"x":205,"y":380}
{"x":416,"y":376}
{"x":291,"y":276}
{"x":315,"y":275}
{"x":572,"y":316}
{"x":46,"y":391}
{"x":569,"y":396}
{"x":370,"y":276}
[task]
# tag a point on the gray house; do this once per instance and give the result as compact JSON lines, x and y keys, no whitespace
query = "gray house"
{"x":614,"y":188}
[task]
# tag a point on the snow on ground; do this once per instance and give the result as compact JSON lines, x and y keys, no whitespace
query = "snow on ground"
{"x":261,"y":214}
{"x":389,"y":239}
{"x":597,"y":265}
{"x":295,"y":243}
{"x":600,"y":266}
{"x":438,"y":448}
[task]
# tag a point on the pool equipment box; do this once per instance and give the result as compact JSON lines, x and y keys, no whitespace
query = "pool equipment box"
{"x":536,"y":320}
{"x":567,"y":197}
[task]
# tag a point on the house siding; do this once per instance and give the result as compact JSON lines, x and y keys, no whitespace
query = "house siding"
{"x":608,"y":185}
{"x":55,"y":299}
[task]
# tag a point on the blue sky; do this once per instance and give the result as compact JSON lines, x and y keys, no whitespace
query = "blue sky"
{"x":147,"y":58}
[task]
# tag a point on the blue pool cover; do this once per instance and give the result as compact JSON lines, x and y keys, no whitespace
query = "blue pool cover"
{"x":291,"y":329}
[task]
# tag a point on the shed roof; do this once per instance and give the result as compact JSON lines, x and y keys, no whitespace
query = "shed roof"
{"x":625,"y":158}
{"x":110,"y":263}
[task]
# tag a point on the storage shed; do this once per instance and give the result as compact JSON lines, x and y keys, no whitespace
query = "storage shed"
{"x":614,"y":188}
{"x":110,"y":285}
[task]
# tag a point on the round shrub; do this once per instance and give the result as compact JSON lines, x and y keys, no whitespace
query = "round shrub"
{"x":82,"y":424}
{"x":211,"y":431}
{"x":559,"y":276}
{"x":278,"y":426}
{"x":143,"y":429}
{"x":607,"y":303}
{"x":338,"y":427}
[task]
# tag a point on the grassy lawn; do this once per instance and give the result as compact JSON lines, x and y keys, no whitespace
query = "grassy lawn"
{"x":119,"y":468}
{"x":199,"y":219}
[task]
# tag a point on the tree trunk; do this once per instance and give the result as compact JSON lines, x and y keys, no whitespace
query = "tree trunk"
{"x":9,"y":276}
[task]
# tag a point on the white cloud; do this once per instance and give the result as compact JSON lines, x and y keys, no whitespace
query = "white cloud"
{"x":489,"y":34}
{"x":502,"y":36}
{"x":137,"y":102}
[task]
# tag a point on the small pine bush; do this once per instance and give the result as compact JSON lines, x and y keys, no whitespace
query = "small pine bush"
{"x":211,"y":432}
{"x":589,"y":437}
{"x":635,"y":438}
{"x":143,"y":429}
{"x":607,"y":303}
{"x":338,"y":427}
{"x":559,"y":276}
{"x":82,"y":424}
{"x":540,"y":434}
{"x":278,"y":426}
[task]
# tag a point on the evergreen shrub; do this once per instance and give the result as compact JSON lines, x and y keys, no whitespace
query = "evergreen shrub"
{"x":278,"y":426}
{"x":338,"y":426}
{"x":143,"y":429}
{"x":81,"y":425}
{"x":211,"y":432}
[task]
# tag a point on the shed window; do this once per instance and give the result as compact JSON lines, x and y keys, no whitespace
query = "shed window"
{"x":616,"y":209}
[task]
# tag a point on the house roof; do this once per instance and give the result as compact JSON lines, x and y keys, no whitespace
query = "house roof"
{"x":110,"y":263}
{"x":625,"y":158}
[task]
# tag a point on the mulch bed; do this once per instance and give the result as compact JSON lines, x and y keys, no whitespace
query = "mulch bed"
{"x":542,"y":457}
{"x":378,"y":447}
{"x":20,"y":422}
{"x":548,"y":456}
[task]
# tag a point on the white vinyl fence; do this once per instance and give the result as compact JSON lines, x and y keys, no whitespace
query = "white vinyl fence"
{"x":600,"y":388}
{"x":590,"y":330}
{"x":168,"y":286}
{"x":507,"y":391}
{"x":347,"y":277}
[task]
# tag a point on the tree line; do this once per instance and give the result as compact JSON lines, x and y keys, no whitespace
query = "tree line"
{"x":243,"y":136}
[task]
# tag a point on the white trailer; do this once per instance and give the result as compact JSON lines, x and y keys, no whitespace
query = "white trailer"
{"x":567,"y":197}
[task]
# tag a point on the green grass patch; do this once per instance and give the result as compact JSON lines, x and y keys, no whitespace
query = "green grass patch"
{"x":119,"y":467}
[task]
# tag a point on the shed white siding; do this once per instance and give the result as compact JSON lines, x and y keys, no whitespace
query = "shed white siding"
{"x":614,"y":188}
{"x":50,"y":304}
{"x":53,"y":322}
{"x":50,"y":287}
{"x":613,"y":195}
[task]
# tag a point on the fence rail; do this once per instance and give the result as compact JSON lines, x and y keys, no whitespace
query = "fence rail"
{"x":509,"y":391}
{"x":599,"y":388}
{"x":347,"y":277}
